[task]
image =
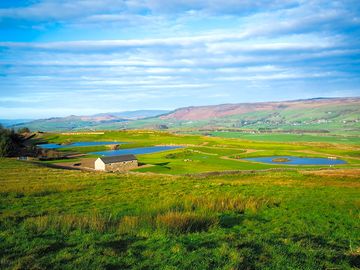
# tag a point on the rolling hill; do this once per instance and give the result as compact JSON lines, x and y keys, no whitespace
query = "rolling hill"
{"x":216,"y":111}
{"x":311,"y":115}
{"x":97,"y":121}
{"x":134,"y":115}
{"x":11,"y":122}
{"x":334,"y":115}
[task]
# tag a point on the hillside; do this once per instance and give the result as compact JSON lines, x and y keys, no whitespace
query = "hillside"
{"x":339,"y":115}
{"x":11,"y":122}
{"x":72,"y":122}
{"x":216,"y":111}
{"x":334,"y":115}
{"x":134,"y":115}
{"x":111,"y":120}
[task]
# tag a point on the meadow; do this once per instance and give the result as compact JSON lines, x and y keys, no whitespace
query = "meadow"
{"x":283,"y":137}
{"x":180,"y":214}
{"x":202,"y":154}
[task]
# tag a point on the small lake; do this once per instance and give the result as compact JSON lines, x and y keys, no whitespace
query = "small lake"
{"x":76,"y":144}
{"x":298,"y":160}
{"x":135,"y":151}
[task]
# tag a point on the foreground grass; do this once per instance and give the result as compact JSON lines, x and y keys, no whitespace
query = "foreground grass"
{"x":57,"y":219}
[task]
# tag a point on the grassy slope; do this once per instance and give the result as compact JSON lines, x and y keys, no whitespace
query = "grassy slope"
{"x":305,"y":119}
{"x":60,"y":219}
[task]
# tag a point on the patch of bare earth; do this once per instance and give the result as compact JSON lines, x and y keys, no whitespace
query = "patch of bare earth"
{"x":84,"y":163}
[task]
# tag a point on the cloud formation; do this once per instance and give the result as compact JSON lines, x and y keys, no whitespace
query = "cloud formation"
{"x":73,"y":56}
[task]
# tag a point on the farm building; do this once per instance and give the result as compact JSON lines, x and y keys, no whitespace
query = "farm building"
{"x":116,"y":163}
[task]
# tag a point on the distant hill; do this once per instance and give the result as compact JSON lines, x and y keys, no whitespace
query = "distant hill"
{"x":10,"y":122}
{"x":134,"y":115}
{"x":334,"y":115}
{"x":112,"y":120}
{"x":337,"y":115}
{"x":216,"y":111}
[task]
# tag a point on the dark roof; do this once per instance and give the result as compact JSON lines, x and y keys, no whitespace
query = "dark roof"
{"x":120,"y":158}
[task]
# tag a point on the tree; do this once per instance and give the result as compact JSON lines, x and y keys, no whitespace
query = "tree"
{"x":24,"y":130}
{"x":9,"y":142}
{"x":6,"y":144}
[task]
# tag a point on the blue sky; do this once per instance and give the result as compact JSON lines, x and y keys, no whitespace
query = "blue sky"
{"x":88,"y":56}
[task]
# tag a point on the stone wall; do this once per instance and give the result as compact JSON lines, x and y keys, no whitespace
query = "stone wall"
{"x":121,"y":166}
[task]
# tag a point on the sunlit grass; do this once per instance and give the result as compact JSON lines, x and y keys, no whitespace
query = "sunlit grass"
{"x":229,"y":219}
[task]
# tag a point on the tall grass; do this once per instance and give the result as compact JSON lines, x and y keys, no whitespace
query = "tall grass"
{"x":191,"y":214}
{"x":185,"y":222}
{"x":66,"y":223}
{"x":213,"y":203}
{"x":221,"y":203}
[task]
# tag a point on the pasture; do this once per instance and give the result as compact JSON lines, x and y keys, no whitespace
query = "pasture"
{"x":198,"y":207}
{"x":206,"y":154}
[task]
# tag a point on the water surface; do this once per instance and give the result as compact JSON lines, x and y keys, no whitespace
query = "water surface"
{"x":135,"y":151}
{"x":298,"y":160}
{"x":76,"y":144}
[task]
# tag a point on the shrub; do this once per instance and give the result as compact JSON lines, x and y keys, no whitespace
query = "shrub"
{"x":182,"y":154}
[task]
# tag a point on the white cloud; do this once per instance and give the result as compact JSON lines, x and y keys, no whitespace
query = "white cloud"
{"x":67,"y":9}
{"x":178,"y":52}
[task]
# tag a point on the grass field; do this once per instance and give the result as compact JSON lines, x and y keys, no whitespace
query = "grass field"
{"x":58,"y":219}
{"x":179,"y":213}
{"x":205,"y":154}
{"x":281,"y":137}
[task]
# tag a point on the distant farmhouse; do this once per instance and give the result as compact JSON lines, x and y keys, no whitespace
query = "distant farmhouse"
{"x":116,"y":163}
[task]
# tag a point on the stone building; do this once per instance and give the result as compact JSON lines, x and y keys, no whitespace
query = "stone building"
{"x":116,"y":163}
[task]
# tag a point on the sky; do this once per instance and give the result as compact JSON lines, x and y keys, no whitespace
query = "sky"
{"x":66,"y":57}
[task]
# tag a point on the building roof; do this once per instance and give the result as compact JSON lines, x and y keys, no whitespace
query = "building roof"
{"x":119,"y":158}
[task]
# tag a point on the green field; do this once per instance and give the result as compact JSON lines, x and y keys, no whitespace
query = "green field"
{"x":185,"y":210}
{"x":205,"y":154}
{"x":281,"y":137}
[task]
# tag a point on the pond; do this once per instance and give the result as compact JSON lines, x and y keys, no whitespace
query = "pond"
{"x":76,"y":144}
{"x":135,"y":151}
{"x":290,"y":160}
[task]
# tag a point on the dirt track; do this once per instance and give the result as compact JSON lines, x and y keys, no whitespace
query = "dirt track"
{"x":83,"y":164}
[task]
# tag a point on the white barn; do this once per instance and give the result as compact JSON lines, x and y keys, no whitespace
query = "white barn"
{"x":116,"y":163}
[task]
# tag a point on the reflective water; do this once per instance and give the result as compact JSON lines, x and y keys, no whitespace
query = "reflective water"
{"x":135,"y":151}
{"x":76,"y":144}
{"x":298,"y":160}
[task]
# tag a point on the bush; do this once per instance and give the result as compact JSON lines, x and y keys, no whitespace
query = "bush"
{"x":182,"y":154}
